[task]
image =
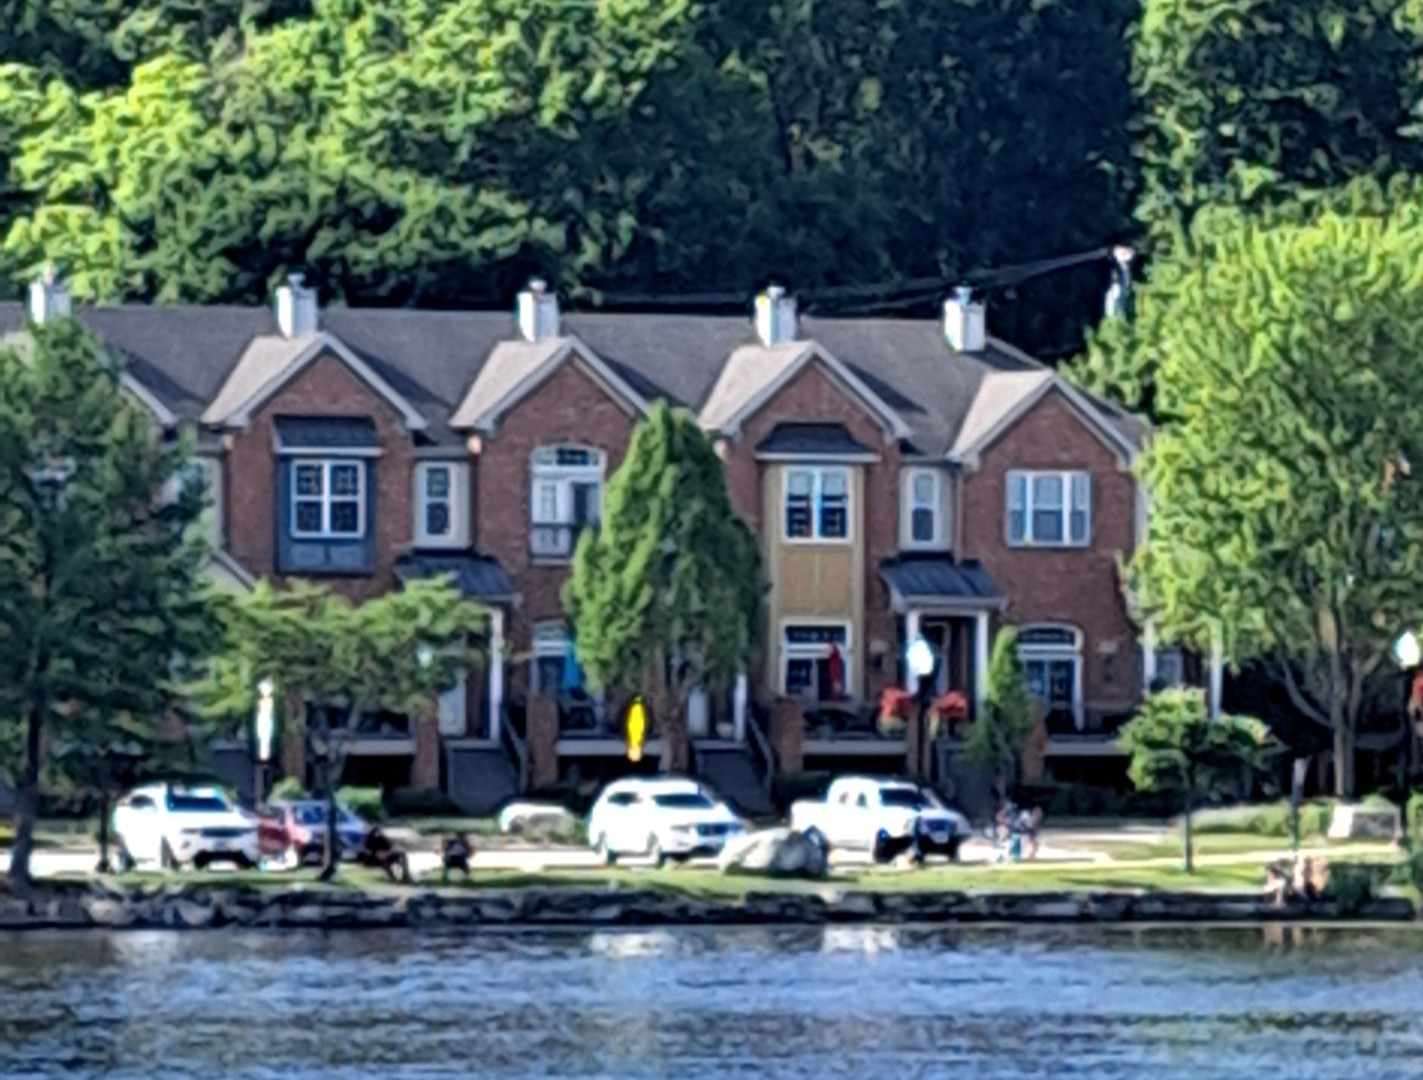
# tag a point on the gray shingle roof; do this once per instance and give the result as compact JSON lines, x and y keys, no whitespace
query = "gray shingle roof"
{"x":830,"y":440}
{"x":433,"y":359}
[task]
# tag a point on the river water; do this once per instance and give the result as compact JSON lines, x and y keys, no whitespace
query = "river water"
{"x":716,"y":1005}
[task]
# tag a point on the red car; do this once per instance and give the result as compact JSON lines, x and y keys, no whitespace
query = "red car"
{"x":296,"y":831}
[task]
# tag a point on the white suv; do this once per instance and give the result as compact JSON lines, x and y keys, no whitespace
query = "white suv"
{"x":659,"y":818}
{"x":174,"y":826}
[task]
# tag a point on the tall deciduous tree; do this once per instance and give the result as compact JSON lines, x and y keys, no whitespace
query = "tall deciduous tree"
{"x":100,"y":570}
{"x":1176,"y":748}
{"x":1005,"y":724}
{"x":1282,"y":369}
{"x":665,"y":596}
{"x":1251,"y":102}
{"x":394,"y":652}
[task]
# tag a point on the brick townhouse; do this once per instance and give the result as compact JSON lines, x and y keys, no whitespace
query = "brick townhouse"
{"x":906,"y":478}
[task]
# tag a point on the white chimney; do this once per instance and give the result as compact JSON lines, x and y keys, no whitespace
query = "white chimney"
{"x":538,"y":312}
{"x":49,"y":299}
{"x":965,"y":322}
{"x":297,"y":313}
{"x":775,"y":317}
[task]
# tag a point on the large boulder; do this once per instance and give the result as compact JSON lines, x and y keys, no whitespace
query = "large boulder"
{"x":536,"y":819}
{"x":1368,"y":821}
{"x":775,"y":853}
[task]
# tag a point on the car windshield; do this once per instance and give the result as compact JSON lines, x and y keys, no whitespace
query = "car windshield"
{"x":683,"y":800}
{"x":192,"y":802}
{"x":901,"y":796}
{"x":315,"y":814}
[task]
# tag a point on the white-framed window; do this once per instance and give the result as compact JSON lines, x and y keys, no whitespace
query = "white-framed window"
{"x":441,"y":488}
{"x":1169,"y":667}
{"x":817,"y":503}
{"x":921,"y":494}
{"x":328,"y":499}
{"x":816,"y":661}
{"x":1049,"y":509}
{"x":566,"y":496}
{"x":552,"y":651}
{"x":1052,"y":664}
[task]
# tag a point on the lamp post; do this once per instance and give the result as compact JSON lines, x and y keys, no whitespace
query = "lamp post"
{"x":920,"y":659}
{"x":265,"y":729}
{"x":1408,"y":653}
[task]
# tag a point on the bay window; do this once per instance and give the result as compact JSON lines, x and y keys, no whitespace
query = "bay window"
{"x":328,"y":499}
{"x":566,"y":497}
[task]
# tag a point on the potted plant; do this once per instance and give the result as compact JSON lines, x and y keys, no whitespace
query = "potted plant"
{"x":895,"y":707}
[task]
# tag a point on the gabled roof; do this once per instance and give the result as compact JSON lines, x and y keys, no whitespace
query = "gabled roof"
{"x":187,"y":358}
{"x":753,"y":374}
{"x":515,"y":369}
{"x":272,"y":361}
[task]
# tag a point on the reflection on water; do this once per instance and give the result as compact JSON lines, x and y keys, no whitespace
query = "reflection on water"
{"x":696,"y":1005}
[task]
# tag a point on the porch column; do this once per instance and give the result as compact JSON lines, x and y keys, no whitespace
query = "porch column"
{"x":496,"y":672}
{"x":911,"y":632}
{"x":739,"y":698}
{"x":1217,"y":672}
{"x":980,"y":661}
{"x":1148,"y":657}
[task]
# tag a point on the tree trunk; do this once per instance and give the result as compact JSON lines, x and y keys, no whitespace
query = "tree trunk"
{"x":672,"y":723}
{"x":28,"y":797}
{"x":1187,"y":840}
{"x":104,"y":866}
{"x":331,"y":859}
{"x":1344,"y":761}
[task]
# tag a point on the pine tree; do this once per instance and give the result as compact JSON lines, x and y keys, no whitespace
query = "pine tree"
{"x":101,"y":592}
{"x":997,"y":736}
{"x":665,"y":596}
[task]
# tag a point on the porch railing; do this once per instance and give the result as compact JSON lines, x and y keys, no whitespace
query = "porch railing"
{"x":514,"y":745}
{"x":762,"y":753}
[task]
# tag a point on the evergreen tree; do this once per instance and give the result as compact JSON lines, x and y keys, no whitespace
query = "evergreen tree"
{"x":1176,"y":748}
{"x":997,"y":736}
{"x":100,"y":571}
{"x":665,"y":597}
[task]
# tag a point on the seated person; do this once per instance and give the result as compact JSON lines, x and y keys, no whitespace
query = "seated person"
{"x":377,"y":850}
{"x":455,"y":853}
{"x":1277,"y":882}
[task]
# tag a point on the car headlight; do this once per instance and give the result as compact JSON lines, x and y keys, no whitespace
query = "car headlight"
{"x":684,"y":828}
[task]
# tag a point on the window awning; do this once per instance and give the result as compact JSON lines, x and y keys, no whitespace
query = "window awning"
{"x":478,"y":577}
{"x":326,"y":433}
{"x":939,"y":581}
{"x":812,"y":442}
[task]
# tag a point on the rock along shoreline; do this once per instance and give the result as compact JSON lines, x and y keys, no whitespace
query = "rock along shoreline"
{"x":209,"y":907}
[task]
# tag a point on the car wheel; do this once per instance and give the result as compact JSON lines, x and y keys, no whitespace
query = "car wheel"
{"x":166,"y":860}
{"x":242,"y":862}
{"x":654,"y":851}
{"x":818,"y":838}
{"x":201,"y":861}
{"x":604,"y":853}
{"x":880,"y":851}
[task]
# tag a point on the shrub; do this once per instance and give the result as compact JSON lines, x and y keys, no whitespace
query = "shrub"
{"x":1409,"y":872}
{"x":1352,"y":886}
{"x":288,"y":788}
{"x":366,"y":803}
{"x":420,"y":802}
{"x":1413,"y":816}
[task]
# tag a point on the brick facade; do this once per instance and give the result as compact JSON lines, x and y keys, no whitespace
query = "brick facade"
{"x":570,"y":407}
{"x":326,"y":388}
{"x":814,"y":395}
{"x":1079,"y":586}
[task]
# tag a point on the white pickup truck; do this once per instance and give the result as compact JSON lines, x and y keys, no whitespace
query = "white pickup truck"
{"x":883,"y":817}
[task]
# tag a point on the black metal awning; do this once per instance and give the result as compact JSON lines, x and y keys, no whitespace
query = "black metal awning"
{"x":478,"y":577}
{"x":939,"y":581}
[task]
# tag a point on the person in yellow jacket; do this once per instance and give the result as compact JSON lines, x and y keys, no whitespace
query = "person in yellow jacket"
{"x":637,"y":729}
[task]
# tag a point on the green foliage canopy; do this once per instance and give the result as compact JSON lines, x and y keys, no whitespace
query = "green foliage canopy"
{"x":665,"y":595}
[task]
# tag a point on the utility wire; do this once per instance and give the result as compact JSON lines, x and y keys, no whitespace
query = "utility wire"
{"x":881,"y":294}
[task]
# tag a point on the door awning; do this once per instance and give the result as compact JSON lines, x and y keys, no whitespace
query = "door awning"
{"x":938,"y":581}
